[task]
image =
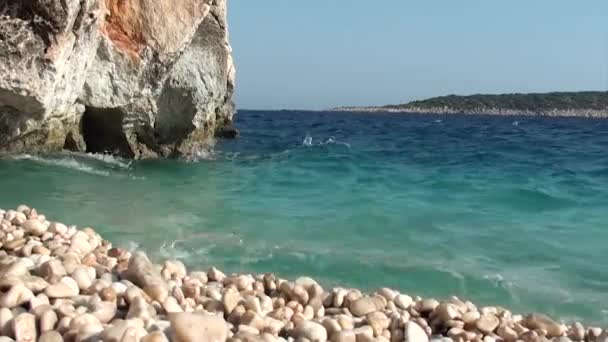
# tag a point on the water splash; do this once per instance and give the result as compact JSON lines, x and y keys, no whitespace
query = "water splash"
{"x":66,"y":162}
{"x":106,"y":158}
{"x":334,"y":141}
{"x":307,"y":141}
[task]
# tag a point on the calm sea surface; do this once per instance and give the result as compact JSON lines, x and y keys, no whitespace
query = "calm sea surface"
{"x":498,"y":210}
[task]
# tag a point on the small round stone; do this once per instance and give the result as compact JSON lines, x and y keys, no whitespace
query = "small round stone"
{"x":403,"y":301}
{"x":312,"y":331}
{"x":414,"y":333}
{"x":487,"y":323}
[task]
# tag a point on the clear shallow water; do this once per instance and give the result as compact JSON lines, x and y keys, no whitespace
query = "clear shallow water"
{"x":509,"y":211}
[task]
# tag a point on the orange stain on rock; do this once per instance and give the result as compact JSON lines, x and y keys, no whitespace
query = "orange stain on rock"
{"x":124,"y":26}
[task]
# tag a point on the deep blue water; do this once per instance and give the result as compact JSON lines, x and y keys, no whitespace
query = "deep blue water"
{"x":498,"y":210}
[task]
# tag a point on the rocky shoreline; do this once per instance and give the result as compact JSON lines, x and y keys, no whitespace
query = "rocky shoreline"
{"x":582,"y":113}
{"x":61,"y":283}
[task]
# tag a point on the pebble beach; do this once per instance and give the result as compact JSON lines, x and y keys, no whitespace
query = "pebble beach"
{"x":65,"y":283}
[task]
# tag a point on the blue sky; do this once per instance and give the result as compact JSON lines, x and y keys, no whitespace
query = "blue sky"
{"x":318,"y":54}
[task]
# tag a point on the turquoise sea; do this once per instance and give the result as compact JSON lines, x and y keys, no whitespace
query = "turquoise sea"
{"x":510,"y":211}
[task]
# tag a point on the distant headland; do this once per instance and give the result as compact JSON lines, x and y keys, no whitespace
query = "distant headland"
{"x":579,"y":104}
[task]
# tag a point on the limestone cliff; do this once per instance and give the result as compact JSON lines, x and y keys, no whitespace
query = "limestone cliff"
{"x":138,"y":78}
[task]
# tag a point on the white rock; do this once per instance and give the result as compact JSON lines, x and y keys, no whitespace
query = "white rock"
{"x":312,"y":331}
{"x":39,"y":259}
{"x":539,"y":321}
{"x":58,"y":228}
{"x":50,"y":336}
{"x":577,"y":331}
{"x":84,"y":320}
{"x":387,"y":293}
{"x":364,"y":333}
{"x":65,"y":288}
{"x":144,"y":274}
{"x":427,"y":305}
{"x":253,"y":303}
{"x":91,"y":333}
{"x":365,"y":305}
{"x":331,"y":326}
{"x":24,"y":327}
{"x":140,"y":309}
{"x":403,"y":301}
{"x":414,"y":333}
{"x":230,"y":299}
{"x":470,"y":317}
{"x":82,"y":277}
{"x":506,"y":333}
{"x":189,"y":327}
{"x":155,"y":336}
{"x":118,"y":328}
{"x":104,"y":311}
{"x":16,"y":268}
{"x":120,"y":288}
{"x":34,"y":227}
{"x":243,"y":282}
{"x":299,"y":293}
{"x":171,"y":306}
{"x":487,"y":323}
{"x":378,"y":321}
{"x":215,"y":275}
{"x":174,"y":269}
{"x":80,"y":244}
{"x":17,"y":295}
{"x":52,"y":271}
{"x":200,"y":276}
{"x":306,"y":282}
{"x":6,"y":317}
{"x":247,"y":329}
{"x":29,"y":263}
{"x":339,"y":296}
{"x":48,"y":320}
{"x":447,"y":312}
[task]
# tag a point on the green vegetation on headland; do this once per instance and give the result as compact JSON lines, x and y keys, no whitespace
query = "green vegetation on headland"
{"x":587,"y":103}
{"x":597,"y":100}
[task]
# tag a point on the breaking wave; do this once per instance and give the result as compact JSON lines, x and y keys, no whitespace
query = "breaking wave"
{"x":65,"y":162}
{"x":106,"y":158}
{"x":308,"y":142}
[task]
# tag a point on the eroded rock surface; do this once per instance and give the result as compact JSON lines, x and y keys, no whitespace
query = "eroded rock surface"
{"x":141,"y":78}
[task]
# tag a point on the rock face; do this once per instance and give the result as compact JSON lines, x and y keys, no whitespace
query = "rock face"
{"x":140,"y":78}
{"x":45,"y":49}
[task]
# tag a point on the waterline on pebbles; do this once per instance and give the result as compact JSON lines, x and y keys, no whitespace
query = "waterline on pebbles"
{"x":59,"y":283}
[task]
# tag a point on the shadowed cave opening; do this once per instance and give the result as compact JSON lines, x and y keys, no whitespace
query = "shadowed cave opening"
{"x":102,"y":131}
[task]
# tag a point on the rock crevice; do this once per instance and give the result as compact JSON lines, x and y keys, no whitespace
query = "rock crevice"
{"x":138,"y":78}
